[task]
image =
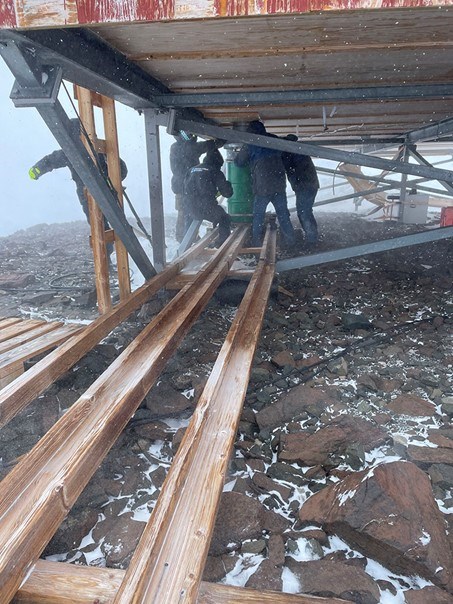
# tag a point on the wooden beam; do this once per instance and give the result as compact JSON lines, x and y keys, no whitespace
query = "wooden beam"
{"x":101,"y":268}
{"x":9,"y":321}
{"x":15,"y":329}
{"x":16,"y":397}
{"x":169,"y":560}
{"x":114,"y":170}
{"x":38,"y":493}
{"x":12,"y":360}
{"x":27,"y":336}
{"x":63,"y":583}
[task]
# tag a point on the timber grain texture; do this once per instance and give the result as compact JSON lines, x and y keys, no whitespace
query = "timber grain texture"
{"x":39,"y":492}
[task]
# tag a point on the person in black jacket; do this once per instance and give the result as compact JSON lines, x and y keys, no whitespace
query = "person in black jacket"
{"x":268,"y":184}
{"x":302,"y":177}
{"x":58,"y":159}
{"x":184,"y":154}
{"x":202,"y":185}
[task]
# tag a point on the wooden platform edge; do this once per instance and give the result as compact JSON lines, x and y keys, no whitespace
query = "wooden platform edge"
{"x":63,"y":583}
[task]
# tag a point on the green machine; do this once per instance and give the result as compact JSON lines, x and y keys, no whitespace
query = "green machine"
{"x":240,"y":204}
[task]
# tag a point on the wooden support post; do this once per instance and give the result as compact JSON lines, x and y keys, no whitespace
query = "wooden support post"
{"x":38,"y":493}
{"x":155,"y":188}
{"x":168,"y":563}
{"x":96,"y":217}
{"x":114,"y":169}
{"x":16,"y":397}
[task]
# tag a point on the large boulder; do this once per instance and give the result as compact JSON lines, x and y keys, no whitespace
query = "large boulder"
{"x":334,"y":438}
{"x":389,"y":513}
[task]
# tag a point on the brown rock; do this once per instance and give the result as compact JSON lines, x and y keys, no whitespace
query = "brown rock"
{"x":276,"y":550}
{"x":240,"y":518}
{"x":389,"y":513}
{"x":267,"y":576}
{"x":153,"y":430}
{"x":297,"y":401}
{"x":425,"y":456}
{"x":410,"y":404}
{"x":427,"y":595}
{"x":165,"y":401}
{"x":283,"y":358}
{"x":315,"y":449}
{"x":264,"y":484}
{"x":334,"y":579}
{"x":122,"y":535}
{"x":16,"y":280}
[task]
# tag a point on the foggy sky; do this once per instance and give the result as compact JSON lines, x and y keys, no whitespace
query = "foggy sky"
{"x":25,"y":139}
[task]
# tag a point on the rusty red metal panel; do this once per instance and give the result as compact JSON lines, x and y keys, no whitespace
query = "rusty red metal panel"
{"x":111,"y":11}
{"x":7,"y":14}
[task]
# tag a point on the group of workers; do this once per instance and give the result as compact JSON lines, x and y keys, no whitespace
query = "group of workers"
{"x":197,"y":186}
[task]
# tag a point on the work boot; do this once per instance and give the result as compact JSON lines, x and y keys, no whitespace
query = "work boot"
{"x":311,"y":231}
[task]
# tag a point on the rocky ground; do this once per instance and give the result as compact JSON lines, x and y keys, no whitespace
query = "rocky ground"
{"x":341,"y":483}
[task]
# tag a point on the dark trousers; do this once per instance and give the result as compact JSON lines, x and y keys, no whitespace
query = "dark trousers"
{"x":214,"y":213}
{"x":305,"y":198}
{"x":280,"y":203}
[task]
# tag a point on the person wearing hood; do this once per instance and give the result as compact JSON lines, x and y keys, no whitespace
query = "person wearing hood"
{"x":202,"y":185}
{"x":302,"y":177}
{"x":268,"y":185}
{"x":58,"y":159}
{"x":185,"y":153}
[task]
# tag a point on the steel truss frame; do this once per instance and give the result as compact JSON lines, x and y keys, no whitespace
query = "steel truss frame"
{"x":87,"y":60}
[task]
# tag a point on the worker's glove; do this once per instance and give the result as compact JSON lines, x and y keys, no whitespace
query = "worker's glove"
{"x":34,"y":173}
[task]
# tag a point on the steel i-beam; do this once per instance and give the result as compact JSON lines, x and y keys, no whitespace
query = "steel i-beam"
{"x":272,"y":142}
{"x":36,"y":87}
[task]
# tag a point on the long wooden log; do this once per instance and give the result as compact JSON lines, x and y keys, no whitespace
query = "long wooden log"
{"x":13,"y":359}
{"x":17,"y":395}
{"x":39,"y":492}
{"x":168,"y":563}
{"x":9,"y":321}
{"x":62,"y":583}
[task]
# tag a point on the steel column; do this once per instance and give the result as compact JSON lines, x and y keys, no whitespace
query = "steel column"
{"x":363,"y":250}
{"x":155,"y":188}
{"x":29,"y":92}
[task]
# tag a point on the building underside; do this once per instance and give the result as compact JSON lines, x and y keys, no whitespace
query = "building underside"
{"x":361,"y":86}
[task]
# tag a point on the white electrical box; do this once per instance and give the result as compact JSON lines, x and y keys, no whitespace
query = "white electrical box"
{"x":415,"y":210}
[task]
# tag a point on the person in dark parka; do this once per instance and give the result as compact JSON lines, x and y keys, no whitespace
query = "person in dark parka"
{"x":302,"y":177}
{"x":201,"y":186}
{"x":58,"y":159}
{"x":268,"y":185}
{"x":185,"y":153}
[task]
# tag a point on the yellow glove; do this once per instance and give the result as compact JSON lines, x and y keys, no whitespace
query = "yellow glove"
{"x":34,"y":173}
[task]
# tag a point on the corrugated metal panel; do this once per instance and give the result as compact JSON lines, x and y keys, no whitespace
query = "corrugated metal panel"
{"x":53,"y":13}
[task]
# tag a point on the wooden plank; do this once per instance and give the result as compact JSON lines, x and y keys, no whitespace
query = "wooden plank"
{"x":16,"y":397}
{"x":28,"y":335}
{"x":168,"y":563}
{"x":9,"y":321}
{"x":114,"y":169}
{"x":38,"y":493}
{"x":101,"y":268}
{"x":17,"y":328}
{"x":12,"y":359}
{"x":7,"y":379}
{"x":62,"y":583}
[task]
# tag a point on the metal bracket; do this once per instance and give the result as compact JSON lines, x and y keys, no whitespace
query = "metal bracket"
{"x":40,"y":95}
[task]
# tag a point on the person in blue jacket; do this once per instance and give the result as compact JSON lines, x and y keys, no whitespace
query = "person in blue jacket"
{"x":302,"y":177}
{"x":268,"y":185}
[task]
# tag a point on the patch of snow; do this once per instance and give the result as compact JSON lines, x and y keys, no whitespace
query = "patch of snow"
{"x":304,"y":551}
{"x":425,"y":538}
{"x":244,"y":568}
{"x":291,"y":584}
{"x":229,"y":486}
